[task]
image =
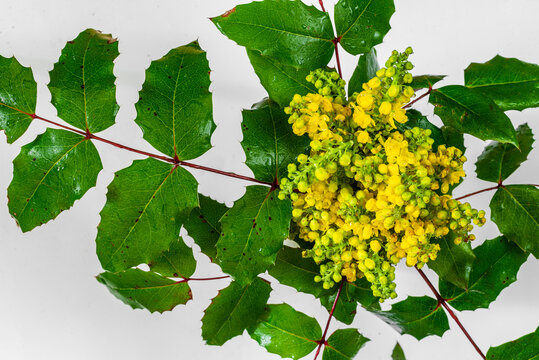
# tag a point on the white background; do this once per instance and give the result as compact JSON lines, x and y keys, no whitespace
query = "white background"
{"x":51,"y":307}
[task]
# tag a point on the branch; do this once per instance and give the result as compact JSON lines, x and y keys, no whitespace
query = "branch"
{"x":419,"y":98}
{"x":336,"y":42}
{"x":323,"y":341}
{"x":443,"y":302}
{"x":322,"y":5}
{"x":479,"y":191}
{"x":202,"y":279}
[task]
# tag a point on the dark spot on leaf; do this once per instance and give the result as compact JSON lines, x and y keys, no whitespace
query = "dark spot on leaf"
{"x":201,"y":216}
{"x":243,"y":254}
{"x":148,"y":109}
{"x":154,"y":114}
{"x":175,"y":275}
{"x":127,"y":247}
{"x":269,"y":218}
{"x":32,"y":210}
{"x":136,"y":220}
{"x":27,"y":200}
{"x":224,"y":249}
{"x":34,"y":159}
{"x":82,"y":66}
{"x":170,"y":77}
{"x":71,"y":42}
{"x":82,"y":86}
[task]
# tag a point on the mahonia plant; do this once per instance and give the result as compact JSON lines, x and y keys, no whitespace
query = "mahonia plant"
{"x":354,"y":177}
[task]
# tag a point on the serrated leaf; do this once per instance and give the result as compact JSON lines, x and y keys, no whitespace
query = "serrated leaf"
{"x":269,"y":142}
{"x":366,"y":68}
{"x":147,"y":204}
{"x":416,"y":119}
{"x":253,"y":231}
{"x":82,"y":81}
{"x":287,"y":332}
{"x":454,"y":262}
{"x":290,"y":32}
{"x":515,"y":210}
{"x":175,"y":105}
{"x":425,"y":81}
{"x":416,"y":316}
{"x":49,"y":175}
{"x":512,"y":84}
{"x":523,"y":348}
{"x":469,"y":111}
{"x":344,"y":344}
{"x":177,"y":261}
{"x":495,"y":269}
{"x":235,"y":309}
{"x":18,"y":92}
{"x":203,"y":224}
{"x":281,"y":81}
{"x":498,"y":161}
{"x":398,"y":354}
{"x":146,"y":290}
{"x":361,"y":24}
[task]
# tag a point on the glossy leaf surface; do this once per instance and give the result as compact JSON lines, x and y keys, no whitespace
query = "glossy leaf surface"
{"x":425,"y":81}
{"x":253,"y":231}
{"x":146,"y":290}
{"x":235,"y":309}
{"x":523,"y":348}
{"x":287,"y":332}
{"x":82,"y":81}
{"x":18,"y":91}
{"x":203,"y":224}
{"x":416,"y":316}
{"x":366,"y":68}
{"x":343,"y":344}
{"x":49,"y":175}
{"x":515,"y":209}
{"x":511,"y":83}
{"x":496,"y":267}
{"x":498,"y":161}
{"x":175,"y":105}
{"x":398,"y":354}
{"x":147,"y":204}
{"x":268,"y":141}
{"x":361,"y":24}
{"x":416,"y":119}
{"x":471,"y":112}
{"x":281,"y":81}
{"x":177,"y":261}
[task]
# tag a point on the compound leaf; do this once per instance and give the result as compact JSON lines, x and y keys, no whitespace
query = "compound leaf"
{"x":361,"y":24}
{"x":49,"y":175}
{"x":512,"y":84}
{"x":18,"y":92}
{"x":498,"y":161}
{"x":177,"y":261}
{"x":268,"y":141}
{"x":496,"y":267}
{"x":147,"y":204}
{"x":469,"y":111}
{"x":289,"y":32}
{"x":287,"y":332}
{"x":235,"y":309}
{"x":515,"y":209}
{"x":366,"y":68}
{"x":253,"y":231}
{"x":344,"y":344}
{"x":82,"y":81}
{"x":175,"y":105}
{"x":146,"y":290}
{"x":523,"y":348}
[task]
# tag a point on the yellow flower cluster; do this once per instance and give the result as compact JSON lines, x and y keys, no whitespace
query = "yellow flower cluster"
{"x":368,"y":195}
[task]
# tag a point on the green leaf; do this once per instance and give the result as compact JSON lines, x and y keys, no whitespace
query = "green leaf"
{"x":345,"y":311}
{"x":269,"y":142}
{"x":203,"y":224}
{"x":398,"y":354}
{"x":82,"y":81}
{"x":469,"y":111}
{"x":511,"y":83}
{"x":454,"y":262}
{"x":290,"y":32}
{"x":147,"y":204}
{"x":146,"y":290}
{"x":366,"y":68}
{"x":515,"y":209}
{"x":425,"y":81}
{"x":523,"y":348}
{"x":416,"y":316}
{"x":253,"y":231}
{"x":177,"y":261}
{"x":453,"y":137}
{"x":18,"y":92}
{"x":49,"y":175}
{"x":235,"y":309}
{"x":344,"y":344}
{"x":175,"y":105}
{"x":287,"y":332}
{"x":496,"y":268}
{"x":498,"y":160}
{"x":361,"y":24}
{"x":416,"y":119}
{"x":281,"y":81}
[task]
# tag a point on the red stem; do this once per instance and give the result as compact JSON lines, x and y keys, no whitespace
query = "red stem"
{"x":322,"y":341}
{"x":336,"y":42}
{"x":226,"y":173}
{"x":419,"y":98}
{"x":479,"y":192}
{"x":322,"y":5}
{"x":443,"y":302}
{"x":202,"y":279}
